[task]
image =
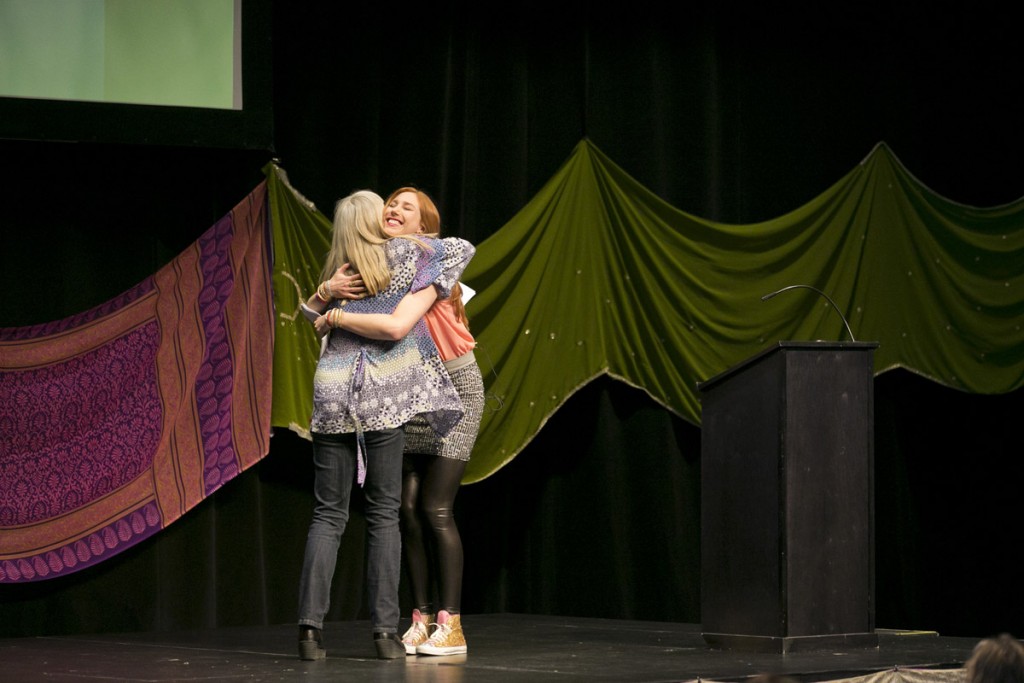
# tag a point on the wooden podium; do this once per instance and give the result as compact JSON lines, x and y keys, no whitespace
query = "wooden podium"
{"x":787,"y":499}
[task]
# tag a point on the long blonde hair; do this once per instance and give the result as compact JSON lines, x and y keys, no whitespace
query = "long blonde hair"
{"x":430,"y":219}
{"x":358,"y":239}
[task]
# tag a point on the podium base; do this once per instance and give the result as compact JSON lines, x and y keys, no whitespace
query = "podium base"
{"x":782,"y":645}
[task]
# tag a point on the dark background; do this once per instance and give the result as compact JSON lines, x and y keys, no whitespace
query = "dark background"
{"x":731,"y":113}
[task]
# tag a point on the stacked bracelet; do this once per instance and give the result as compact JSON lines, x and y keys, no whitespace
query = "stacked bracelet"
{"x":334,"y":317}
{"x":323,"y":292}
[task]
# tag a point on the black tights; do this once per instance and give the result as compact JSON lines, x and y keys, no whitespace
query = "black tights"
{"x":431,"y":539}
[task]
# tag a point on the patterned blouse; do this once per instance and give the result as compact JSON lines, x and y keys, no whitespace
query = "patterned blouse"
{"x":365,"y":384}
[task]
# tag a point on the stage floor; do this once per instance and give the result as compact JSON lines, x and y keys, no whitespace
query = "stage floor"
{"x":513,"y":648}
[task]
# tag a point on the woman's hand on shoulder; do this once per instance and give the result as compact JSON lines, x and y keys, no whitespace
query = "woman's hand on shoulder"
{"x":344,"y":286}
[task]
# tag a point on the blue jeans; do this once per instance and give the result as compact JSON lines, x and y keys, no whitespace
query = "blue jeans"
{"x":334,"y":462}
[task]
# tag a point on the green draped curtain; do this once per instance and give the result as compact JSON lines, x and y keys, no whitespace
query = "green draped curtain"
{"x":302,"y":237}
{"x":598,"y":276}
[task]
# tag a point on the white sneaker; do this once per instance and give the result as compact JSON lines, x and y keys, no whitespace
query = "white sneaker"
{"x":418,"y":632}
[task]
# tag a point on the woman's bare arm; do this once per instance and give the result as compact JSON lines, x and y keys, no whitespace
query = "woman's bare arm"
{"x":386,"y":326}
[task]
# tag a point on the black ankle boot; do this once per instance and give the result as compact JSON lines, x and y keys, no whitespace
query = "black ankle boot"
{"x":389,"y":646}
{"x":311,"y":643}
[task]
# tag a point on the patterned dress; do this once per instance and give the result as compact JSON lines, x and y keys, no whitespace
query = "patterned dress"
{"x":365,"y":384}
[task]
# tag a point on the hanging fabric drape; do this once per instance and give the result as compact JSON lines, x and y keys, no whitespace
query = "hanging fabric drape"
{"x":117,"y":421}
{"x":598,"y":276}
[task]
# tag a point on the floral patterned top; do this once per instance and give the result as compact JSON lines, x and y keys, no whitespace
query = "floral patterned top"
{"x":365,"y":384}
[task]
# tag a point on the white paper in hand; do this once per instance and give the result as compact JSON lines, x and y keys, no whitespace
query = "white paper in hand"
{"x":310,"y":314}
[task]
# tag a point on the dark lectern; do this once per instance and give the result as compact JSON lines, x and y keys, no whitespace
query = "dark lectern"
{"x":787,"y":501}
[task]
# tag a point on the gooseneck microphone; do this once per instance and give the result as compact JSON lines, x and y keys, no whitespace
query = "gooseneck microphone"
{"x":827,"y":298}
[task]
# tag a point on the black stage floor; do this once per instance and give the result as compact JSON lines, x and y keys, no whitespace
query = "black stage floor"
{"x":503,"y":648}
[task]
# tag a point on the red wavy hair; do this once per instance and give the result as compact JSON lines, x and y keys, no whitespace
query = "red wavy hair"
{"x":430,"y":219}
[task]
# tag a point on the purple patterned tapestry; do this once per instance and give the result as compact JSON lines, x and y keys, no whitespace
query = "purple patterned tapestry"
{"x":117,"y":421}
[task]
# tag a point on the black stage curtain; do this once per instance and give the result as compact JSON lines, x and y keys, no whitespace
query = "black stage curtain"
{"x":736,"y":117}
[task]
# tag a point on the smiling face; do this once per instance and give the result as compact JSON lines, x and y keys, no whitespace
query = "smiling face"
{"x":402,"y":215}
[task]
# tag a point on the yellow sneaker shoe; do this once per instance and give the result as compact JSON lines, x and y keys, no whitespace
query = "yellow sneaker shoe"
{"x":447,"y":638}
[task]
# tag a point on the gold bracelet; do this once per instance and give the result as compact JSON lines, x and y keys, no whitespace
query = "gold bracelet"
{"x":323,"y":292}
{"x":334,"y":317}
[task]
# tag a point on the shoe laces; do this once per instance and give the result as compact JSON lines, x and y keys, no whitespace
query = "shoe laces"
{"x":418,"y":631}
{"x":440,"y":634}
